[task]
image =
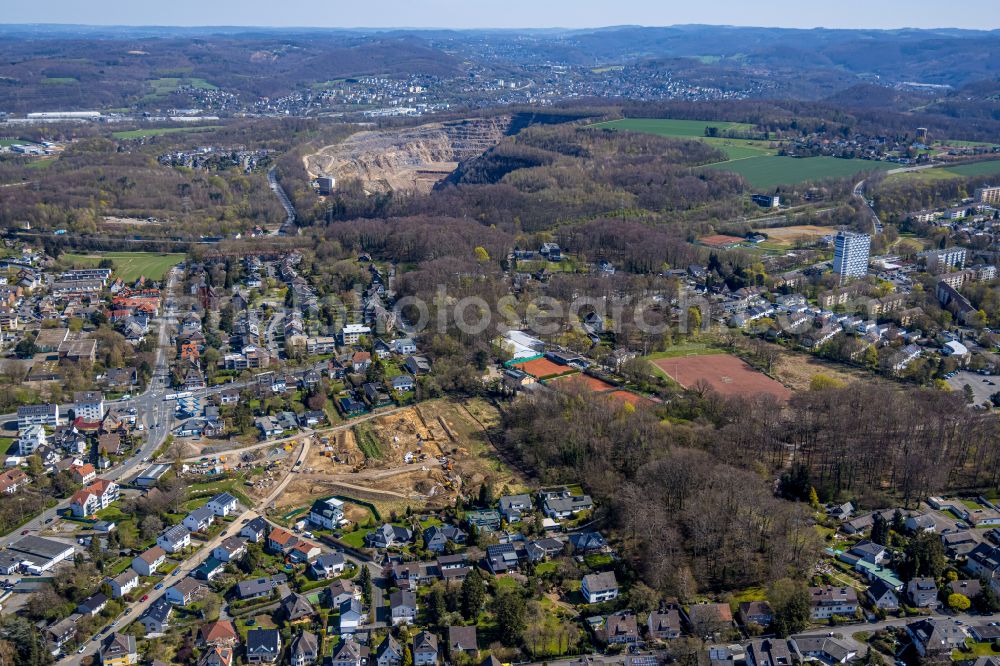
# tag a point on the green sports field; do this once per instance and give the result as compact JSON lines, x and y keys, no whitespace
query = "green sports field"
{"x":670,"y":127}
{"x":130,"y":266}
{"x":770,"y":171}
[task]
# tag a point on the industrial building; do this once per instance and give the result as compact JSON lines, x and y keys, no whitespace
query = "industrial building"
{"x":151,"y":475}
{"x":37,"y":554}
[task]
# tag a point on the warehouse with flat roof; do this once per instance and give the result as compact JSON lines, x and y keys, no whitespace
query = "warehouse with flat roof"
{"x":151,"y":475}
{"x":38,"y":554}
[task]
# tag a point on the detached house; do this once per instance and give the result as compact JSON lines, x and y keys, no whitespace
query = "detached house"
{"x":304,"y":650}
{"x":664,"y":626}
{"x":340,"y":591}
{"x":124,"y":583}
{"x":387,"y":536}
{"x":199,"y":520}
{"x":882,"y":595}
{"x":922,"y":592}
{"x":621,"y":628}
{"x":157,"y":617}
{"x":389,"y":653}
{"x":327,"y":513}
{"x":263,"y":646}
{"x":295,"y":607}
{"x":560,"y":503}
{"x":349,"y":653}
{"x":756,"y":612}
{"x":119,"y":650}
{"x":255,"y":530}
{"x":230,"y":550}
{"x":936,"y":637}
{"x":832,"y":600}
{"x":184,"y":591}
{"x":599,"y":587}
{"x":436,"y":538}
{"x":219,"y":633}
{"x":769,"y":652}
{"x":92,"y":605}
{"x":84,"y":473}
{"x":512,"y":507}
{"x":462,"y":640}
{"x":328,"y":565}
{"x":174,"y":539}
{"x":425,"y":649}
{"x":256,"y":588}
{"x":403,"y":607}
{"x":148,"y":562}
{"x":827,"y":649}
{"x":351,"y":615}
{"x":223,"y":504}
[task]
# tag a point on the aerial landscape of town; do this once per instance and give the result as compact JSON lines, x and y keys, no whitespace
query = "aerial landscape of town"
{"x":459,"y":345}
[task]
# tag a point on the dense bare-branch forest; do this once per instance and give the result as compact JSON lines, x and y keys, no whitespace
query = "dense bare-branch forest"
{"x":696,"y":485}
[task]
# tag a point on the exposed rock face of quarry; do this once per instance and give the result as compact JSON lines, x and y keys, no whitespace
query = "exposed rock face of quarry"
{"x":409,"y":159}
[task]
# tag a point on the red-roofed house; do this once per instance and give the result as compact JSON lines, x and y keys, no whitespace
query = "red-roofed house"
{"x":84,"y":473}
{"x":281,"y":540}
{"x":219,"y":633}
{"x":12,"y":479}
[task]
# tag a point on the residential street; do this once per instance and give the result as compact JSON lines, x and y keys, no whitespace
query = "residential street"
{"x":151,"y":408}
{"x":196,"y":558}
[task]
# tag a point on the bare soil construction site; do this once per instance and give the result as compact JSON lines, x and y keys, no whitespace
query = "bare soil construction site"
{"x":409,"y":159}
{"x":419,"y":457}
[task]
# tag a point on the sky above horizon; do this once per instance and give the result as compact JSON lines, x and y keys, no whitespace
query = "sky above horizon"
{"x":979,"y":14}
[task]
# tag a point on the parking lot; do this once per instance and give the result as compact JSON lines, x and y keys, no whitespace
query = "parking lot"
{"x":983,"y":386}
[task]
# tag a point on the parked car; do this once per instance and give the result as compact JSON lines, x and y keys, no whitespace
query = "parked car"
{"x":159,"y":586}
{"x":144,"y":597}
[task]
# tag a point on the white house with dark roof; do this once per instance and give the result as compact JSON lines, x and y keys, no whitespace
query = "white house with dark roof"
{"x":223,"y":504}
{"x":263,"y":646}
{"x":599,"y":587}
{"x":174,"y":539}
{"x":200,"y":519}
{"x":256,"y":530}
{"x":230,"y":550}
{"x":124,"y":583}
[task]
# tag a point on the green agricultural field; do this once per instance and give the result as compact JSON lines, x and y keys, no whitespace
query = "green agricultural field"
{"x":924,"y":176}
{"x":670,"y":127}
{"x":965,"y":144}
{"x":130,"y":265}
{"x":157,"y":131}
{"x":42,"y":163}
{"x":770,"y":171}
{"x":738,"y":149}
{"x":166,"y":85}
{"x":987,"y":168}
{"x":59,"y":80}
